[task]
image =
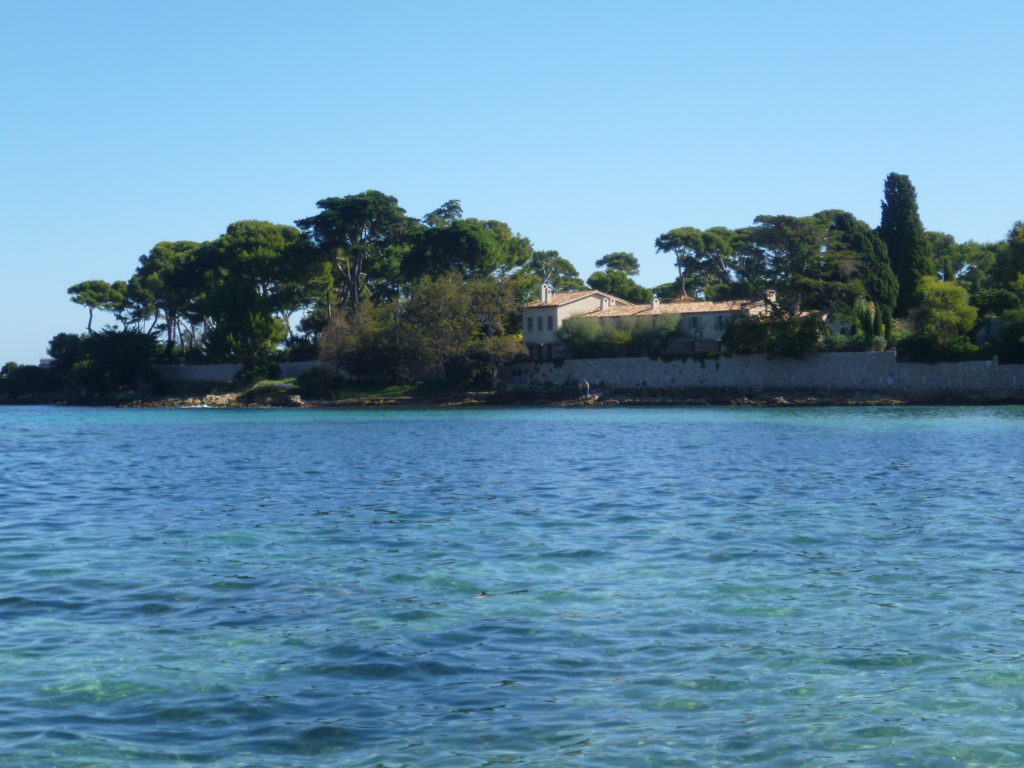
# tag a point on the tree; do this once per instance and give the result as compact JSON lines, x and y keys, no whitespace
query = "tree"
{"x":362,"y":237}
{"x":674,"y":290}
{"x":622,"y":261}
{"x":704,"y":259}
{"x":791,"y":255}
{"x":775,"y":337}
{"x":98,"y":294}
{"x":995,"y":301}
{"x":903,"y":234}
{"x":116,"y":360}
{"x":65,"y":349}
{"x":620,"y":284}
{"x":980,"y":261}
{"x":852,"y":236}
{"x":468,"y":247}
{"x":1010,"y":260}
{"x":553,"y":269}
{"x":254,"y":274}
{"x":942,"y":317}
{"x":442,"y":326}
{"x":444,"y":215}
{"x":946,"y":255}
{"x":944,"y":307}
{"x":165,"y":283}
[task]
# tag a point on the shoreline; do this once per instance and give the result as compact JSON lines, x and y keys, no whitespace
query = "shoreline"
{"x":528,"y":399}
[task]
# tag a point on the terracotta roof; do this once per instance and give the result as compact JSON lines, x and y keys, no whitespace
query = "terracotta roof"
{"x":568,"y":296}
{"x":675,"y":308}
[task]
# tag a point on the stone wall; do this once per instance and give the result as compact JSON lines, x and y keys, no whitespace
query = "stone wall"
{"x":222,"y":372}
{"x":868,"y":373}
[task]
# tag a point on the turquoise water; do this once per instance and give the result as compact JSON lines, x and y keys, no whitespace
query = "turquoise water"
{"x":670,"y":587}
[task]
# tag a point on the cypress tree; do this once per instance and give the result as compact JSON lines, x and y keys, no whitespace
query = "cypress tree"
{"x":903,"y":234}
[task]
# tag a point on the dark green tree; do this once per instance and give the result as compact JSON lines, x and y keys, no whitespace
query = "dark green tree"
{"x":903,"y":234}
{"x":165,"y":283}
{"x":995,"y":301}
{"x":98,"y":294}
{"x":1009,"y":264}
{"x":468,"y":247}
{"x":115,"y":360}
{"x":444,"y":215}
{"x":703,"y":258}
{"x":253,"y":274}
{"x":790,"y":255}
{"x":622,"y":261}
{"x":65,"y":349}
{"x":871,"y":262}
{"x":552,"y":268}
{"x":775,"y":337}
{"x":363,"y":237}
{"x":946,"y":255}
{"x":980,"y":260}
{"x":620,"y":284}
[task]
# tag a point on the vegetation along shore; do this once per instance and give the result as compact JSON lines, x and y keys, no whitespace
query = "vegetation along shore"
{"x":432,"y":308}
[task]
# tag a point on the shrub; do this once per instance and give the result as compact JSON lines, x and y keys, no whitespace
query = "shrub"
{"x":931,"y":346}
{"x":257,"y":370}
{"x":791,"y":337}
{"x":319,"y":383}
{"x":18,"y":380}
{"x":584,"y":337}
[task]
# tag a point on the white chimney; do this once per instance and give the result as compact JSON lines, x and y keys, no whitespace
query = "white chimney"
{"x":655,"y":302}
{"x":545,"y":293}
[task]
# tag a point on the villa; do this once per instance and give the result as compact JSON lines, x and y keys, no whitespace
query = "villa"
{"x":702,"y":322}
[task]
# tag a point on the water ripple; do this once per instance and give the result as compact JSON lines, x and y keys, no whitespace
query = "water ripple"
{"x":663,"y":587}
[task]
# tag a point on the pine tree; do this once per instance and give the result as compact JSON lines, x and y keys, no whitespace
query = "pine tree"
{"x":903,"y":234}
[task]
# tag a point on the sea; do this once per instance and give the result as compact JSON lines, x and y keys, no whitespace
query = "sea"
{"x":702,"y":587}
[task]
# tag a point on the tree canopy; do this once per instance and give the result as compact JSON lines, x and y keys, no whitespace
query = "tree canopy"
{"x":703,"y":258}
{"x":390,"y":293}
{"x":622,"y":261}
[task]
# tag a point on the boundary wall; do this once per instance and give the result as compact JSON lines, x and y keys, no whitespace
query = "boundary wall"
{"x":222,"y":372}
{"x":868,"y":373}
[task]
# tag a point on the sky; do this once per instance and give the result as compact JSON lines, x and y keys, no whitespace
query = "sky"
{"x":590,"y":127}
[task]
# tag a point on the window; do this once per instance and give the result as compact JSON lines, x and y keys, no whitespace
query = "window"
{"x":551,"y":323}
{"x":529,"y":324}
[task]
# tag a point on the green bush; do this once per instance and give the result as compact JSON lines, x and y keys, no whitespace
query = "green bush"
{"x":776,"y":337}
{"x":931,"y":346}
{"x":19,"y":380}
{"x":583,"y":337}
{"x":320,"y":383}
{"x":257,"y":370}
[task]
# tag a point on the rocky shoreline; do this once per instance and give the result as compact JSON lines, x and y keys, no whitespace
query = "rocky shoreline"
{"x":290,"y":398}
{"x":493,"y":399}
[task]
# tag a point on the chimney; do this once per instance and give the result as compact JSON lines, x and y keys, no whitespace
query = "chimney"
{"x":655,"y":302}
{"x":770,"y":298}
{"x":545,"y":293}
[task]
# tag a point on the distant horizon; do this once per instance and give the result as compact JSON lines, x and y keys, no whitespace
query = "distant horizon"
{"x":588,"y":131}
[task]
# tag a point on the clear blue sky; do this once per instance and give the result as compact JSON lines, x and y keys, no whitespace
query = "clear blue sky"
{"x":590,"y":127}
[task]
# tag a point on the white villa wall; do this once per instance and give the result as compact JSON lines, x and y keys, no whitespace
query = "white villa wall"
{"x":559,"y":314}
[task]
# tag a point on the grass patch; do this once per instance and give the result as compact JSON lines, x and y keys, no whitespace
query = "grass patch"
{"x":372,"y":389}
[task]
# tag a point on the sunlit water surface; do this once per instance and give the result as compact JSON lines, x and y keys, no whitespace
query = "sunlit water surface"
{"x":670,"y":587}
